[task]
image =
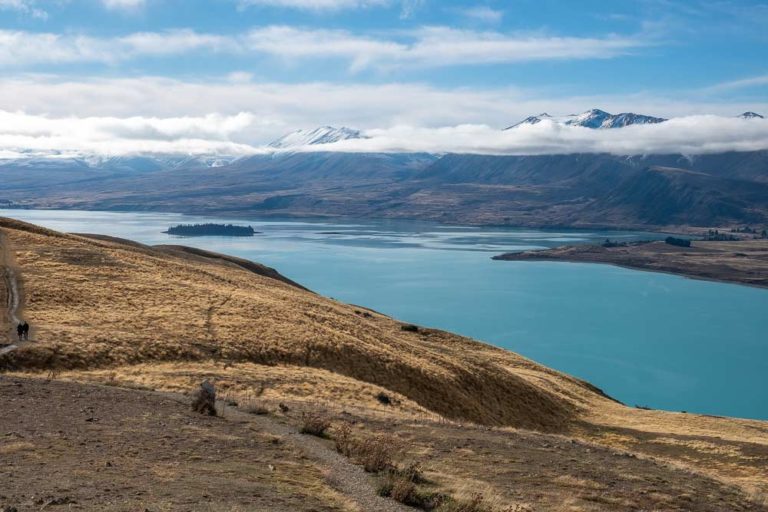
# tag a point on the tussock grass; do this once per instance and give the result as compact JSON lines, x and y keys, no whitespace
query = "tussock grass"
{"x":204,"y":402}
{"x":315,"y":424}
{"x":375,"y":452}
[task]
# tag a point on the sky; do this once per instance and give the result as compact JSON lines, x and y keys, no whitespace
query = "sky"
{"x":228,"y":76}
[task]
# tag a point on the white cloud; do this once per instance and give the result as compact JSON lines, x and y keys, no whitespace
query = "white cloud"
{"x":240,"y":77}
{"x":686,"y":135}
{"x":294,"y":43}
{"x":424,"y":47}
{"x":22,"y":133}
{"x":29,"y":48}
{"x":123,"y":4}
{"x":316,"y":5}
{"x":483,"y":14}
{"x":283,"y":107}
{"x":26,"y":7}
{"x":409,"y":7}
{"x":745,"y":83}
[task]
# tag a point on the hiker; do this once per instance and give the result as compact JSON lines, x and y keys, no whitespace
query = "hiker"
{"x":25,"y":327}
{"x":20,"y":331}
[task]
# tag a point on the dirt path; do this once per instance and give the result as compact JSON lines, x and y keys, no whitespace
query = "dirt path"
{"x":114,"y":449}
{"x":347,"y":478}
{"x":12,"y":289}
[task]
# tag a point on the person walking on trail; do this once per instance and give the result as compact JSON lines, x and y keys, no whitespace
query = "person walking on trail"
{"x":26,"y":330}
{"x":20,"y":331}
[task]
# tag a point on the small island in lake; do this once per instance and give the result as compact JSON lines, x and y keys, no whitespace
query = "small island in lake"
{"x":210,"y":230}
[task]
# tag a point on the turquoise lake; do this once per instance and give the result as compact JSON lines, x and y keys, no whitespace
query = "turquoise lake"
{"x":649,"y":339}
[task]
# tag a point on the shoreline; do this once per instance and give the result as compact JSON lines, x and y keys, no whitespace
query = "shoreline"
{"x":742,"y":262}
{"x":683,"y":230}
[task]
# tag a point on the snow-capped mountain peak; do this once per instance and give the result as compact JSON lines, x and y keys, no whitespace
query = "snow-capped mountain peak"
{"x":751,"y":115}
{"x":594,"y":118}
{"x":531,"y":120}
{"x":321,"y":135}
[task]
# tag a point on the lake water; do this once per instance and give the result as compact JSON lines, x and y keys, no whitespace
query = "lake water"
{"x":651,"y":339}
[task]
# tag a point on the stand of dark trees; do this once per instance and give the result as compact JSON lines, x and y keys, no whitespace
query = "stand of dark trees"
{"x":680,"y":242}
{"x":210,"y":230}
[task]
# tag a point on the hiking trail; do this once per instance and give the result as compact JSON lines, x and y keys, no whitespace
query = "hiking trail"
{"x":10,"y":284}
{"x":347,"y":478}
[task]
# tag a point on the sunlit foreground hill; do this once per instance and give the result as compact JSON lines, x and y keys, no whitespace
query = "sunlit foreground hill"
{"x":96,"y":418}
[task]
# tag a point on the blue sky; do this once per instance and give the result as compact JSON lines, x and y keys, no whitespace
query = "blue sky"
{"x":660,"y":45}
{"x":380,"y":63}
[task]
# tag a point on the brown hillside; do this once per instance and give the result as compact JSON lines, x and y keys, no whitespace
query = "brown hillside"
{"x":105,"y":303}
{"x":111,"y":311}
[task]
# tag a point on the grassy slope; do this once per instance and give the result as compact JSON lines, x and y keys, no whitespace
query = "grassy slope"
{"x":109,"y":311}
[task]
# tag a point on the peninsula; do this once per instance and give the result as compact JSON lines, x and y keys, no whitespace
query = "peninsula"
{"x":735,"y":261}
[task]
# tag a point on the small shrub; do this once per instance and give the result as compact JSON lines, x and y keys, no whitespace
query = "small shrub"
{"x":204,"y":401}
{"x":401,"y":486}
{"x":342,"y":437}
{"x":385,"y":488}
{"x":404,"y":491}
{"x":314,"y":424}
{"x":475,"y":503}
{"x":283,"y":408}
{"x":255,"y":409}
{"x":384,"y":398}
{"x":375,"y":453}
{"x":409,"y":328}
{"x":413,"y":474}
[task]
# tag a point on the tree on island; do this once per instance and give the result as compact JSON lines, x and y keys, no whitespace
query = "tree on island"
{"x":679,"y":242}
{"x":210,"y":230}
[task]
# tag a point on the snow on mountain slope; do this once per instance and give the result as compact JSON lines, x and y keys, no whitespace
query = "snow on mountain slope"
{"x":321,"y":135}
{"x":594,"y":118}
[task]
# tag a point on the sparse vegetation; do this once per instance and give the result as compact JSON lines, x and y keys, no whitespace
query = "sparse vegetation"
{"x":342,"y":437}
{"x":255,"y":408}
{"x":409,"y":328}
{"x":315,"y":424}
{"x":612,"y":243}
{"x":715,"y":235}
{"x":384,"y":398}
{"x":376,"y":453}
{"x":204,"y":401}
{"x":679,"y":242}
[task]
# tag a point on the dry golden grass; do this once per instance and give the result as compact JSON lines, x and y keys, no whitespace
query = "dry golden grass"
{"x":100,"y":304}
{"x":129,"y":315}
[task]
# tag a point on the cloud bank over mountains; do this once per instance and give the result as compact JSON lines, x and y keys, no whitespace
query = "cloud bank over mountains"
{"x":25,"y":135}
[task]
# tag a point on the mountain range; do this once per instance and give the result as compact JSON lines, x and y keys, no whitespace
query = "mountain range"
{"x":594,"y":118}
{"x":583,"y":189}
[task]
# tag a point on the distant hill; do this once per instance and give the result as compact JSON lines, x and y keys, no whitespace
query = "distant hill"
{"x":581,"y":189}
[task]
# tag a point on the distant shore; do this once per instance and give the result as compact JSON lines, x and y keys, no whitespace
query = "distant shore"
{"x":742,"y":262}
